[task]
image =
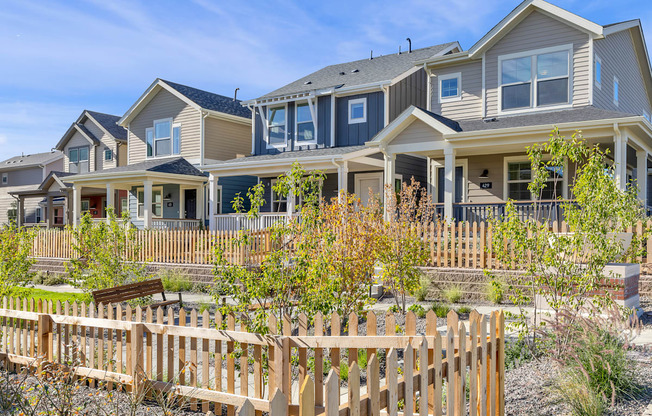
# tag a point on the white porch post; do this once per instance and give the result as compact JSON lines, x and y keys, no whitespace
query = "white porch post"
{"x":389,"y":175}
{"x":641,"y":175}
{"x":449,"y":183}
{"x":431,"y":182}
{"x":212,"y":194}
{"x":291,"y":203}
{"x":620,"y":160}
{"x":50,"y":212}
{"x":342,"y":179}
{"x":200,"y":203}
{"x":76,"y":204}
{"x":110,"y":196}
{"x":147,"y":204}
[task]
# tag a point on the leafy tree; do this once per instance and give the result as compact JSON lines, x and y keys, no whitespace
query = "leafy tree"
{"x":105,"y":253}
{"x":15,"y":248}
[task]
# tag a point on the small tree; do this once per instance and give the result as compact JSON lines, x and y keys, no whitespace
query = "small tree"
{"x":105,"y":254}
{"x":15,"y":249}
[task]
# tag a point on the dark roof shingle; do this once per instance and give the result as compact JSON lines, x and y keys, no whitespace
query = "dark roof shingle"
{"x":29,"y":160}
{"x":211,"y":101}
{"x":327,"y":151}
{"x":110,"y":124}
{"x":176,"y":165}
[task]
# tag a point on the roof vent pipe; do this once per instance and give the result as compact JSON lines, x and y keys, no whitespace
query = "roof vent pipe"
{"x":372,"y":55}
{"x":399,"y":49}
{"x":235,"y":94}
{"x":410,"y":45}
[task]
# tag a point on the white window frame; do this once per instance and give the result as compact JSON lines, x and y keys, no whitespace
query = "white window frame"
{"x":534,"y":80}
{"x":138,"y":204}
{"x":217,"y":199}
{"x":362,"y":101}
{"x":454,"y":75}
{"x":597,"y":61}
{"x":296,"y":123}
{"x":154,"y":140}
{"x":464,"y":164}
{"x":86,"y":202}
{"x":285,"y":141}
{"x":273,"y":201}
{"x":5,"y":178}
{"x":524,"y":159}
{"x":616,"y":91}
{"x":77,"y":163}
{"x":108,"y":152}
{"x":37,"y":215}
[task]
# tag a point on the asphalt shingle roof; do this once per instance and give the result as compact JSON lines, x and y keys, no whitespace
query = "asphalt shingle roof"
{"x":88,"y":132}
{"x":110,"y":124}
{"x":328,"y":151}
{"x":380,"y":68}
{"x":28,"y":160}
{"x":176,"y":165}
{"x":211,"y":101}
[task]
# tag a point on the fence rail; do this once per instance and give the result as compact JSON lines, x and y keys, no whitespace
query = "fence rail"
{"x":189,"y":353}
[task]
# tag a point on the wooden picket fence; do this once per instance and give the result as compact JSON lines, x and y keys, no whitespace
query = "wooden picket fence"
{"x":196,"y":355}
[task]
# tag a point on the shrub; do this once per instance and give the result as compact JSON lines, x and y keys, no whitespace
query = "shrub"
{"x":517,"y":353}
{"x":572,"y":388}
{"x":418,"y":310}
{"x":421,"y":293}
{"x":495,"y":290}
{"x":15,"y":246}
{"x":440,"y":310}
{"x":463,"y":309}
{"x":173,"y":281}
{"x":42,"y":278}
{"x":394,"y":309}
{"x":453,"y":293}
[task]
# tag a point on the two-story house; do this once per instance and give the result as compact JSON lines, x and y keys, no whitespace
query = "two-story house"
{"x":541,"y":66}
{"x":323,"y":121}
{"x":169,"y":131}
{"x":24,"y":174}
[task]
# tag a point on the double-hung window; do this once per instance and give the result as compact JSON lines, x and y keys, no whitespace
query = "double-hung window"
{"x":108,"y":154}
{"x":535,"y":80}
{"x":218,"y":200}
{"x":450,"y":87}
{"x":157,"y":202}
{"x":163,"y":139}
{"x":276,"y":126}
{"x":78,"y":159}
{"x":305,"y":125}
{"x":519,"y":175}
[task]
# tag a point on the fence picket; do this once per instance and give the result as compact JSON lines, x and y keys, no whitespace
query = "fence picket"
{"x":319,"y":362}
{"x":408,"y":371}
{"x":354,"y":389}
{"x":392,"y":383}
{"x":423,"y":378}
{"x":307,"y":398}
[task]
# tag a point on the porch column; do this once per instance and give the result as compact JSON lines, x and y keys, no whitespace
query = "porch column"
{"x":110,"y":194}
{"x":291,"y":203}
{"x":641,"y":175}
{"x":342,"y":179}
{"x":20,"y":211}
{"x":620,"y":160}
{"x":200,"y":203}
{"x":449,"y":183}
{"x":431,"y":182}
{"x":212,"y":194}
{"x":50,"y":211}
{"x":76,"y":204}
{"x":389,"y":175}
{"x":147,"y":204}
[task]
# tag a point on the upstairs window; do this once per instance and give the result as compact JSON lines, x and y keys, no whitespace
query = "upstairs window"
{"x":597,"y":71}
{"x":276,"y":126}
{"x":78,"y":160}
{"x":5,"y":178}
{"x":305,"y":127}
{"x":163,"y":139}
{"x":450,"y":87}
{"x":616,"y":92}
{"x":358,"y":111}
{"x":108,"y":154}
{"x":535,"y":80}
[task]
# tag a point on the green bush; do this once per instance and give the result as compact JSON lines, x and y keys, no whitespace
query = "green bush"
{"x":453,"y":293}
{"x":464,"y":309}
{"x":495,"y":290}
{"x":394,"y":309}
{"x":418,"y":310}
{"x":173,"y":281}
{"x":517,"y":353}
{"x":573,"y":389}
{"x":440,"y":310}
{"x":41,"y":278}
{"x":422,"y":291}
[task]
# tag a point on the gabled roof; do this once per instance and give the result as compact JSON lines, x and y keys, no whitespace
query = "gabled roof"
{"x":105,"y":122}
{"x":408,"y":116}
{"x":37,"y":159}
{"x":173,"y":165}
{"x":215,"y":104}
{"x":110,"y":123}
{"x":361,"y":72}
{"x":55,"y":176}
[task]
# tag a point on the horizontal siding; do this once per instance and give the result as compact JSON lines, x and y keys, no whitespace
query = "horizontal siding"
{"x":538,"y":31}
{"x":412,"y":90}
{"x":165,"y":105}
{"x":417,"y":132}
{"x":22,"y":177}
{"x":359,"y":133}
{"x":77,"y":140}
{"x":470,"y":106}
{"x":107,"y":142}
{"x":57,"y":165}
{"x":7,"y":202}
{"x":224,"y":139}
{"x":619,"y":58}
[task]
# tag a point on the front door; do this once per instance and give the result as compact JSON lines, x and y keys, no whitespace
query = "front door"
{"x":369,"y":185}
{"x":190,"y":203}
{"x":459,"y":183}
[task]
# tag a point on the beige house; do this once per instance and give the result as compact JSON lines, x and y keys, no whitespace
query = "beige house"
{"x":170,"y":130}
{"x":541,"y":66}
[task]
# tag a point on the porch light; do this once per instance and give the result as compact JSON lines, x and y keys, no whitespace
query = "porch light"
{"x":484,"y":174}
{"x":167,"y":197}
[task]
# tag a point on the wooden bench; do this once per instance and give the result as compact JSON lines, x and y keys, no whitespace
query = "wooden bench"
{"x":133,"y":291}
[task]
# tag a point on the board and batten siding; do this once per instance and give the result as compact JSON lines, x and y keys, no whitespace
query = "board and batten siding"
{"x":412,"y":167}
{"x":77,"y":140}
{"x":323,"y":129}
{"x":538,"y":31}
{"x":470,"y":106}
{"x":165,"y":105}
{"x":411,"y":90}
{"x":359,"y":133}
{"x":619,"y":59}
{"x":224,"y":139}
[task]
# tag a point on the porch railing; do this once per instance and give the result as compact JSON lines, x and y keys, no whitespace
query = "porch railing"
{"x":236,"y":222}
{"x":175,"y":224}
{"x":551,"y":210}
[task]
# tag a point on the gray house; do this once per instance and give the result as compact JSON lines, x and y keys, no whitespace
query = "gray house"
{"x":25,"y":173}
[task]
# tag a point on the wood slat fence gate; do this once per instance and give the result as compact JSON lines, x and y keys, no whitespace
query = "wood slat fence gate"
{"x":212,"y":361}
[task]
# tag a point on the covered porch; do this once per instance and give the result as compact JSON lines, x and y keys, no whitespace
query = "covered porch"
{"x":474,"y":167}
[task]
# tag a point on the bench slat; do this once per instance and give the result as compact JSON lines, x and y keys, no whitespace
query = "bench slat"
{"x":130,"y":291}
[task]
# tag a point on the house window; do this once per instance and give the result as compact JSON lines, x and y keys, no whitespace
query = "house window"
{"x":5,"y":178}
{"x":78,"y":159}
{"x":305,"y":127}
{"x":535,"y":80}
{"x":124,"y":205}
{"x":279,"y":202}
{"x":108,"y":154}
{"x":519,"y":176}
{"x":598,"y":72}
{"x":358,"y":111}
{"x":157,"y":202}
{"x":218,"y":200}
{"x":616,"y":88}
{"x":450,"y":87}
{"x":276,"y":122}
{"x":85,"y":205}
{"x":12,"y":215}
{"x":163,"y":139}
{"x":38,"y":215}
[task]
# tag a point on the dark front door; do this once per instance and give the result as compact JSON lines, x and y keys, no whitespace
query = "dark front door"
{"x":459,"y":183}
{"x":190,"y":201}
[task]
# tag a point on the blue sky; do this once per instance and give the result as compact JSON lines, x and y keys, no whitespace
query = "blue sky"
{"x":60,"y":57}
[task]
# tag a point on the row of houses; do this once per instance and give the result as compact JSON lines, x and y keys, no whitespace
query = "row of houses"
{"x":456,"y":120}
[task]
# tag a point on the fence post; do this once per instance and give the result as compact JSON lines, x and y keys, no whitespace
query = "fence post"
{"x":44,"y":338}
{"x":137,"y":360}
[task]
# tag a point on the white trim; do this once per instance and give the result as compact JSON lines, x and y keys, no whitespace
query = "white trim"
{"x":402,"y":121}
{"x":533,"y":107}
{"x":362,"y":101}
{"x":619,"y":27}
{"x":484,"y":86}
{"x":524,"y":159}
{"x":266,"y":121}
{"x":464,"y":164}
{"x":591,"y":70}
{"x":357,"y":177}
{"x":453,"y":75}
{"x":596,"y":61}
{"x":154,"y":188}
{"x":313,"y":115}
{"x":616,"y":88}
